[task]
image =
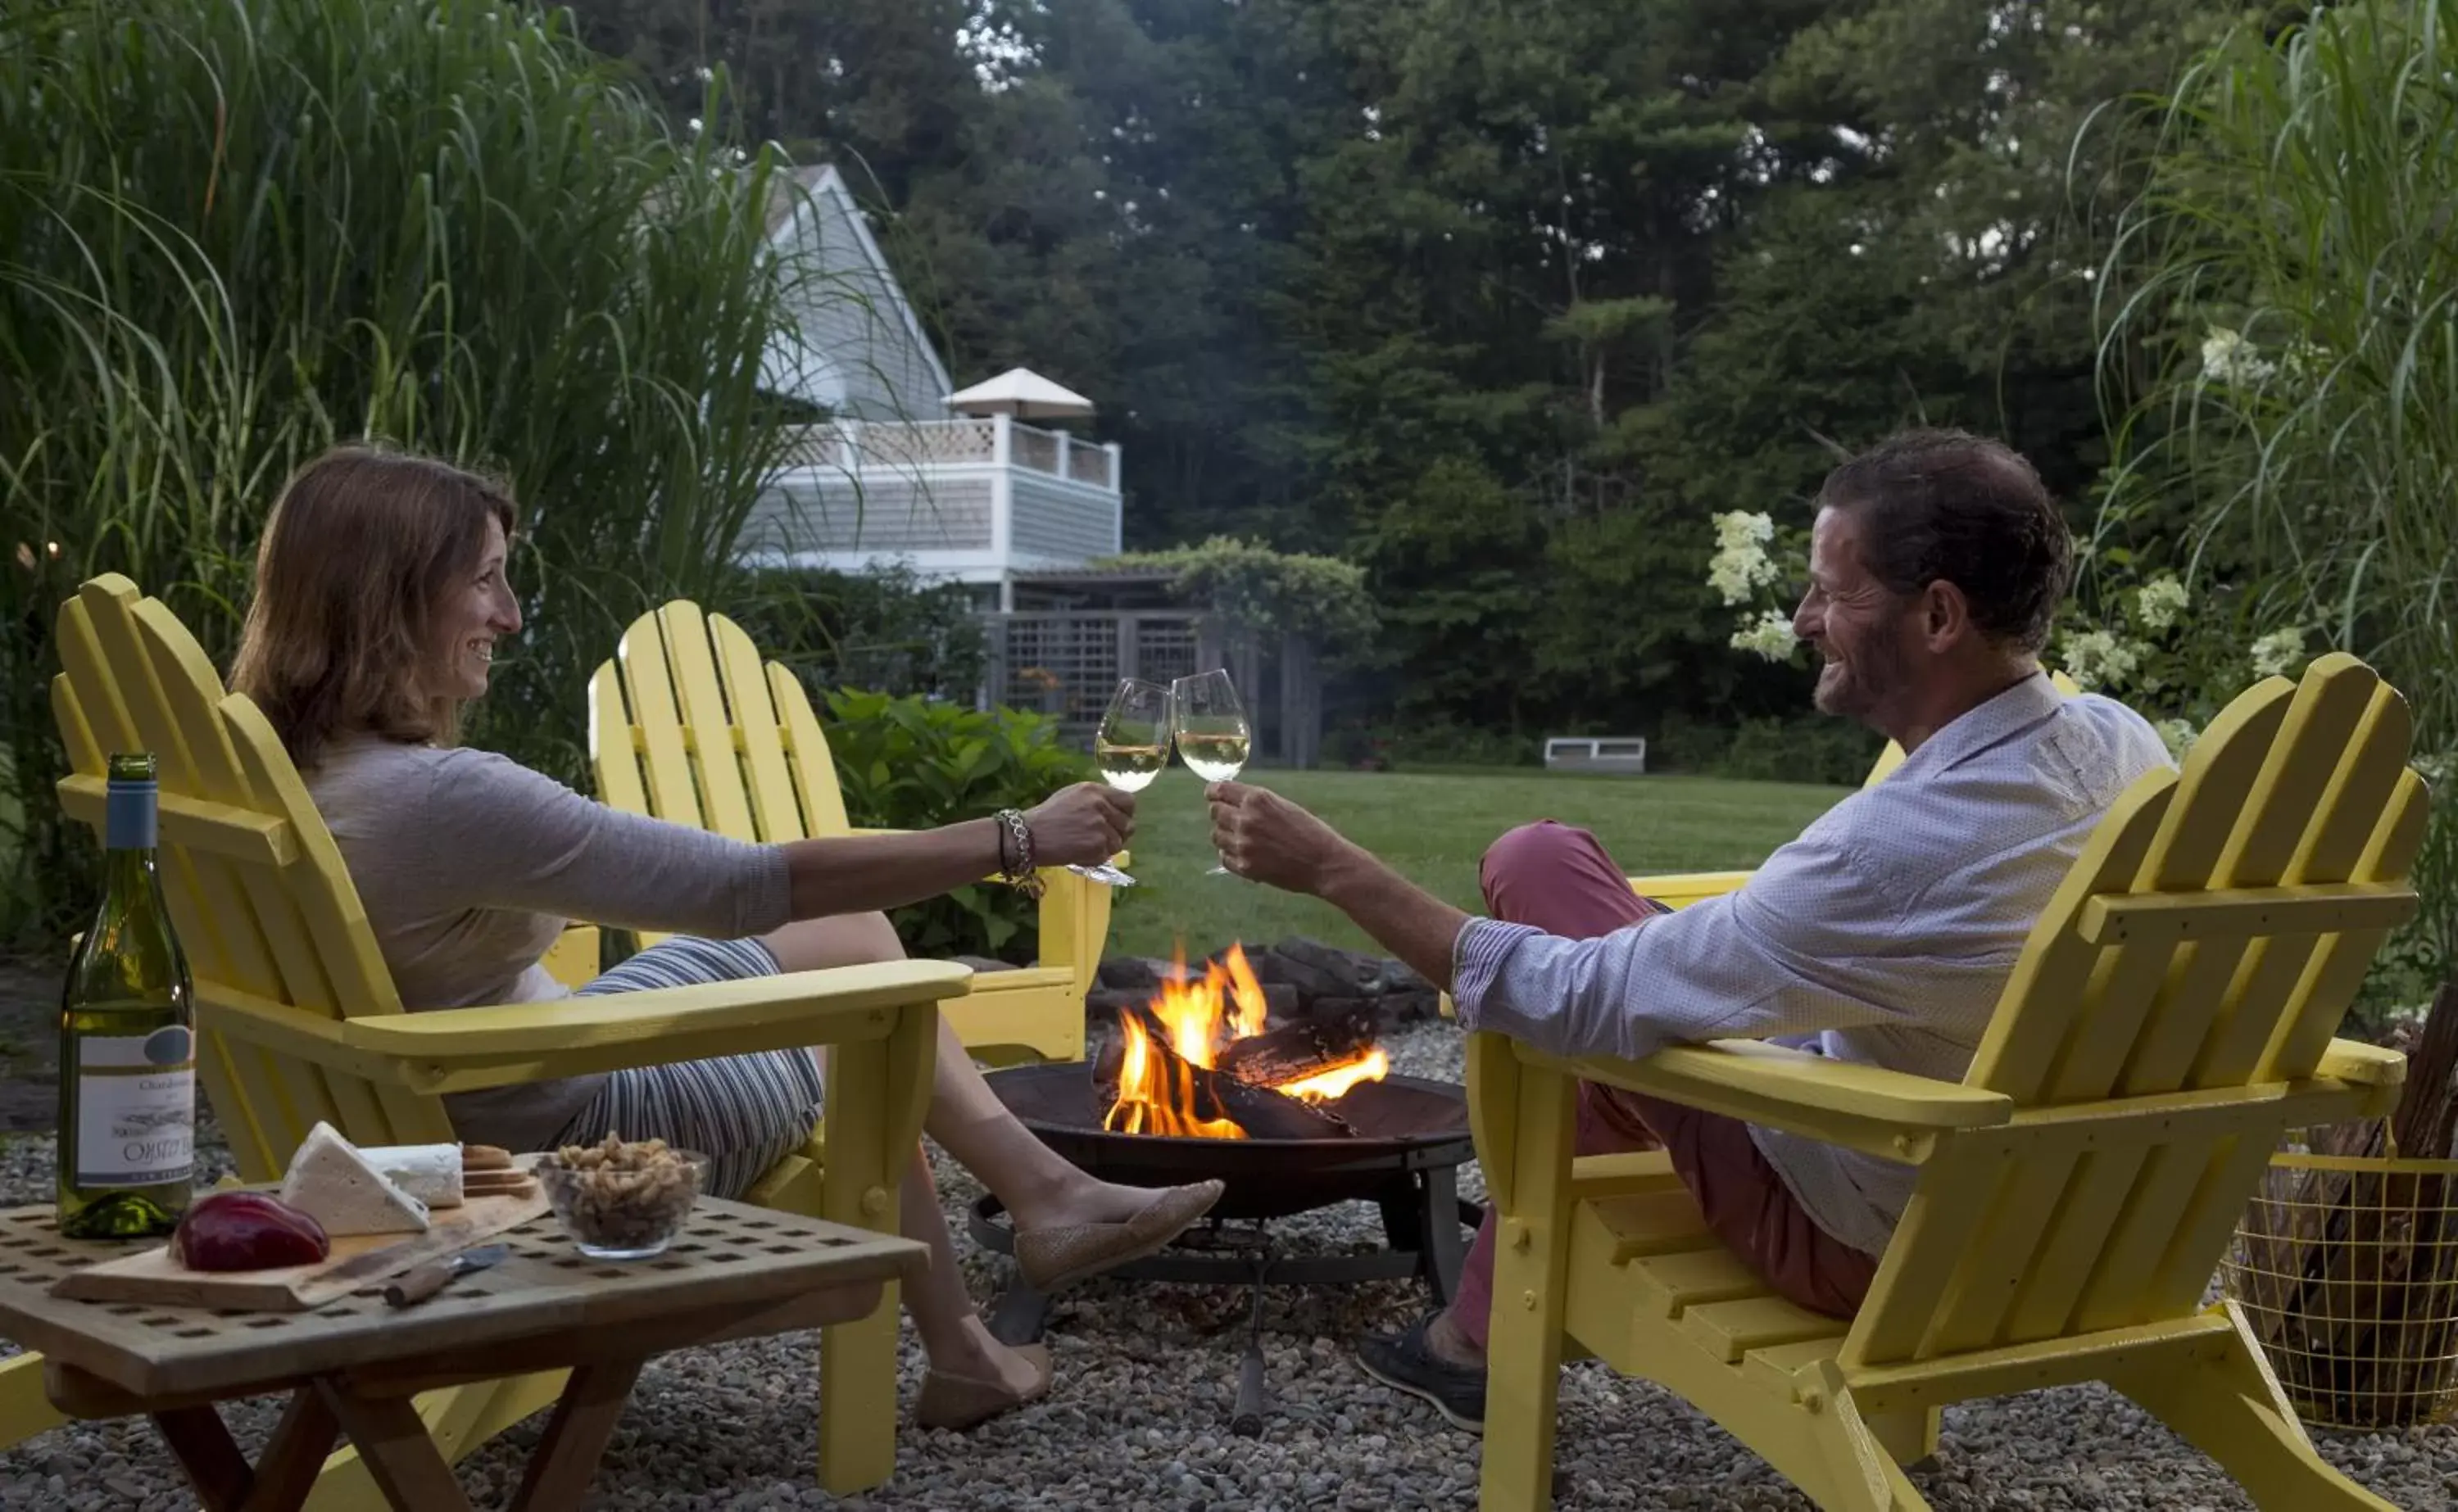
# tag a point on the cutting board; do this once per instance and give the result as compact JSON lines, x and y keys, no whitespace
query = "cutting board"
{"x":152,"y":1276}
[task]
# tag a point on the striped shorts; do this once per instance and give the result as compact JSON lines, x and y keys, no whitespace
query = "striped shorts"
{"x":745,"y":1113}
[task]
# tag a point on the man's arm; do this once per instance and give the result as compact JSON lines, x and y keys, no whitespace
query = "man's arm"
{"x":1410,"y":922}
{"x":1717,"y":971}
{"x":1265,"y":838}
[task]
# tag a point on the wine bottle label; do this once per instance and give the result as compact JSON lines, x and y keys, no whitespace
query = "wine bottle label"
{"x":136,"y":1109}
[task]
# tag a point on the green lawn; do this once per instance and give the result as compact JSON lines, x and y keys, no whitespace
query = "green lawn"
{"x":1433,"y":826}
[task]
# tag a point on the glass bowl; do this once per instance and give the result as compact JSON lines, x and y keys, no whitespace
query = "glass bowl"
{"x":618,"y":1214}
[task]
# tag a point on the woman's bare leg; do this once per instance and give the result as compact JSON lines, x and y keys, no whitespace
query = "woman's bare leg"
{"x":1035,"y":1182}
{"x":952,"y":1333}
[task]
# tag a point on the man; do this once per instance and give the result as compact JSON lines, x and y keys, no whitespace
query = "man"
{"x":1882,"y":935}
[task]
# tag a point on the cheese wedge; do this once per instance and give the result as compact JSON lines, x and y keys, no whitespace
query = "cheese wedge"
{"x":331,"y":1181}
{"x":429,"y":1173}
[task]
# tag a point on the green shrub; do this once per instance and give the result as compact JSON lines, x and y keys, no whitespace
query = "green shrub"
{"x":1804,"y":748}
{"x":890,"y":630}
{"x":911,"y":763}
{"x":1385,"y":745}
{"x":1683,"y":742}
{"x":1809,"y":749}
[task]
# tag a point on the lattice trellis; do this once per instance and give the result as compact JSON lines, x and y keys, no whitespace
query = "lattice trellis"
{"x":1165,"y":649}
{"x":1067,"y":664}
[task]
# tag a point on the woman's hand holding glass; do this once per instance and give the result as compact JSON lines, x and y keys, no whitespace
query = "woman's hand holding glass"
{"x":1085,"y":823}
{"x":1130,"y":748}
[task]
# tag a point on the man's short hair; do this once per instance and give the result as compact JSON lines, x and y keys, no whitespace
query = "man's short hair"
{"x":1949,"y":505}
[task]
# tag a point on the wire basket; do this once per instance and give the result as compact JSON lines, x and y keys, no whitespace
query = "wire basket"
{"x":2347,"y":1268}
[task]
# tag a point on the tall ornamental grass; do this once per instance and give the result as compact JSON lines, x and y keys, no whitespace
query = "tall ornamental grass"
{"x":232,"y":232}
{"x":2290,"y":277}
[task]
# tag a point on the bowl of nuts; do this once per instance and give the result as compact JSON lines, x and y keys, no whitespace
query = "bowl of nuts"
{"x":619,"y":1200}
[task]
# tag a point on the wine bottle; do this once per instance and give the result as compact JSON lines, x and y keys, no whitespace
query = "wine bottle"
{"x":128,"y":1061}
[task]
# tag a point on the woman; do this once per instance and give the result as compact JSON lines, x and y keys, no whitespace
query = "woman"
{"x":381,"y":597}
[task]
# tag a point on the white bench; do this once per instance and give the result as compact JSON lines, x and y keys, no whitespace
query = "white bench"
{"x":1596,"y":754}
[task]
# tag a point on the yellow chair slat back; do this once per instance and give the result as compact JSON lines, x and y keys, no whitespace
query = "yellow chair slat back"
{"x":760,"y":765}
{"x":715,"y":738}
{"x":814,"y":767}
{"x":2169,"y":976}
{"x":653,"y":722}
{"x":759,"y":731}
{"x":254,"y":882}
{"x":689,"y":723}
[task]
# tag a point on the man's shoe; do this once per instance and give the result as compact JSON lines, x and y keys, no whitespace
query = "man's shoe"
{"x":1406,"y":1362}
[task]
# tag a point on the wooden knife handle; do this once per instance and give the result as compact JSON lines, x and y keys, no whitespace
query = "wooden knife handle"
{"x":419,"y":1284}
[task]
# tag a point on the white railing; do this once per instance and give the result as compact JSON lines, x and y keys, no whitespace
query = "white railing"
{"x":921,"y":443}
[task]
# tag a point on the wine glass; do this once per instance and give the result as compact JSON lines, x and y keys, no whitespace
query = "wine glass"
{"x":1130,"y":748}
{"x":1212,"y":736}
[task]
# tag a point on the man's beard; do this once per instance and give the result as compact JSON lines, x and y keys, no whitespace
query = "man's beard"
{"x":1858,"y":686}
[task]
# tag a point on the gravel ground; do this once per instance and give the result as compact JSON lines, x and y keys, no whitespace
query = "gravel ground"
{"x":1139,"y":1419}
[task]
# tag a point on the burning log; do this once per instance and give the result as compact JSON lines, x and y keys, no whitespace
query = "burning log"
{"x":1212,"y":1098}
{"x":1295,"y":1051}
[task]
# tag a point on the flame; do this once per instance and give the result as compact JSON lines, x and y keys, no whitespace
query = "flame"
{"x":1328,"y":1085}
{"x":1200,"y":1016}
{"x":1155,"y":1097}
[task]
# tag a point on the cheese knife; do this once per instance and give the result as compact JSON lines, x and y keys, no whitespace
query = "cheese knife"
{"x":417,"y":1285}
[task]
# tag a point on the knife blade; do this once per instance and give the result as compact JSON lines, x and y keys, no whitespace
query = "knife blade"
{"x":415,"y":1286}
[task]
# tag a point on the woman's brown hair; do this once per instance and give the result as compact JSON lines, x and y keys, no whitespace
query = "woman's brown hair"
{"x":360,"y":547}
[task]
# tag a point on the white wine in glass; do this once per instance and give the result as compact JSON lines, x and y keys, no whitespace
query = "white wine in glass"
{"x":1129,"y":750}
{"x":1213,"y":737}
{"x":1132,"y":768}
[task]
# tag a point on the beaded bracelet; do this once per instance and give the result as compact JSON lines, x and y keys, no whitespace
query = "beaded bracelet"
{"x":1015,"y":853}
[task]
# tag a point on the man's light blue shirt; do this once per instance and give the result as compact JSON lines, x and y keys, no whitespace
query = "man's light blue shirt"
{"x":1882,"y":935}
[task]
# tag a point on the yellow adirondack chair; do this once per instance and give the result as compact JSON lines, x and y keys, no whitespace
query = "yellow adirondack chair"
{"x":687,"y":723}
{"x":298,"y":1018}
{"x":2171,"y":1016}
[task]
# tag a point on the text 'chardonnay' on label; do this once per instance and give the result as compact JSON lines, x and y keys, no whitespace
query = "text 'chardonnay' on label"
{"x":128,"y":1056}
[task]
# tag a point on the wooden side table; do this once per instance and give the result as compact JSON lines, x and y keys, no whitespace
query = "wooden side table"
{"x":737,"y":1272}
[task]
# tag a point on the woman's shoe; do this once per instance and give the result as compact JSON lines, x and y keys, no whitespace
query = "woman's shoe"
{"x":1057,"y":1257}
{"x":958,"y":1402}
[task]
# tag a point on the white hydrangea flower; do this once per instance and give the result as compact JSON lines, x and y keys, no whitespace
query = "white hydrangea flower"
{"x":2159,"y":601}
{"x":2274,"y":654}
{"x":2177,"y":735}
{"x":2303,"y":358}
{"x":2228,"y":358}
{"x":2437,"y":770}
{"x":2095,"y":659}
{"x":1769,"y":636}
{"x":1740,"y":565}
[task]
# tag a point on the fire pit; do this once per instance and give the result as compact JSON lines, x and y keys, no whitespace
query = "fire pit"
{"x":1290,"y":1118}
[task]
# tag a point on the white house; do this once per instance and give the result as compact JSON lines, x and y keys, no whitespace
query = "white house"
{"x":901,"y":467}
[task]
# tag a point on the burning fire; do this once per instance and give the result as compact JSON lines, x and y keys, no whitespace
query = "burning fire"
{"x":1201,"y":1018}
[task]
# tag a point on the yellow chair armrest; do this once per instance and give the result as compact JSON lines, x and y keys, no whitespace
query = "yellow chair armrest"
{"x":1862,"y":1106}
{"x":457,"y":1049}
{"x":1682,"y":889}
{"x":2365,"y":1065}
